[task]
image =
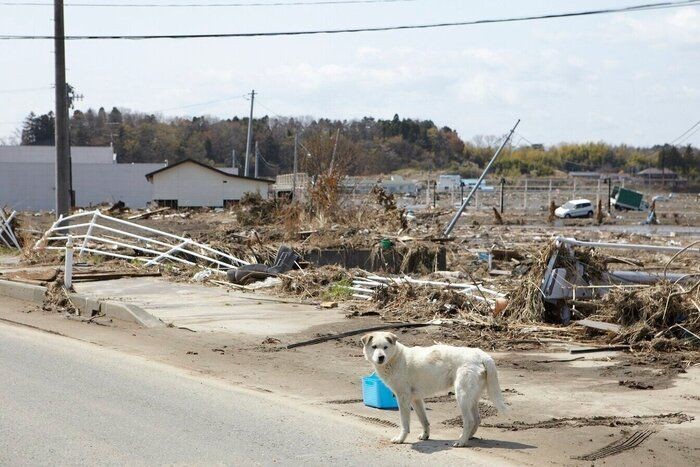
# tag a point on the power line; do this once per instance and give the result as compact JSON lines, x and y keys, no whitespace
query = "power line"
{"x":680,"y":138}
{"x":687,"y":138}
{"x":272,"y":166}
{"x":201,"y":103}
{"x":628,"y":9}
{"x":524,"y":138}
{"x":274,"y":114}
{"x":207,"y":5}
{"x":11,"y":91}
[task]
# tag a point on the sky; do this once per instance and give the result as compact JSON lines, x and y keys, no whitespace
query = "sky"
{"x":630,"y":78}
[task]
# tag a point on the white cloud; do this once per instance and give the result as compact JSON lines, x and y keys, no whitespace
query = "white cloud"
{"x":680,"y":28}
{"x":487,"y":89}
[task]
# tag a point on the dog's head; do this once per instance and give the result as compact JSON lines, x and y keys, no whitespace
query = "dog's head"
{"x":379,"y":347}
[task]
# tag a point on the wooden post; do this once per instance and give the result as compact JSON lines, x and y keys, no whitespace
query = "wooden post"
{"x":503,"y":183}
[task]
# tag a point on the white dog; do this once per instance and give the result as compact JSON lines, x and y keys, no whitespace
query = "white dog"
{"x":414,"y":373}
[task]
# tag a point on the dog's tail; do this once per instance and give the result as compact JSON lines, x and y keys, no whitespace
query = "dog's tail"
{"x":492,"y":386}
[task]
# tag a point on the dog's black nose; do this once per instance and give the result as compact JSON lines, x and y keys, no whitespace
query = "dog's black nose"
{"x":381,"y":359}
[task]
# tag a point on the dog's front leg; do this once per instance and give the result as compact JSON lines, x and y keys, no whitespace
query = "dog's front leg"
{"x":419,"y":407}
{"x":405,"y":412}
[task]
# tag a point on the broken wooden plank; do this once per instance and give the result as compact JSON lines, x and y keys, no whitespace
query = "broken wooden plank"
{"x":500,"y":272}
{"x":147,"y":214}
{"x":505,"y":254}
{"x":355,"y":332}
{"x":611,"y":348}
{"x":104,"y":276}
{"x":32,"y":276}
{"x":610,"y":327}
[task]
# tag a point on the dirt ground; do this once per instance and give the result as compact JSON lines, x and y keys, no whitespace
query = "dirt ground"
{"x":564,"y":406}
{"x":561,"y":405}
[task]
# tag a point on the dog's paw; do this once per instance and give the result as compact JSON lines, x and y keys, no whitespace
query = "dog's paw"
{"x":460,"y":444}
{"x":423,"y":436}
{"x":399,"y":439}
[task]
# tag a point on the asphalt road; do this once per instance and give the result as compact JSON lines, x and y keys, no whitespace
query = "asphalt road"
{"x":67,"y":402}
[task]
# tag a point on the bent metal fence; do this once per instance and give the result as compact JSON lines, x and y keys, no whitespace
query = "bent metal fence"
{"x":99,"y":234}
{"x":6,"y":234}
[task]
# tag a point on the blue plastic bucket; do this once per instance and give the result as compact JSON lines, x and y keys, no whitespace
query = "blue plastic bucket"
{"x":377,"y":394}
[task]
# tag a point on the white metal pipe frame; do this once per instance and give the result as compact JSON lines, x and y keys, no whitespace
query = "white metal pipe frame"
{"x":624,"y":246}
{"x":6,"y":233}
{"x":155,"y":245}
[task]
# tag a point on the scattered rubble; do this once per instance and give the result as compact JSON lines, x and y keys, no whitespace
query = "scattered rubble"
{"x":489,"y":279}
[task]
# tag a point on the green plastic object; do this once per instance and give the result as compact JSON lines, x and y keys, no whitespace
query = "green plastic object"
{"x":386,"y":243}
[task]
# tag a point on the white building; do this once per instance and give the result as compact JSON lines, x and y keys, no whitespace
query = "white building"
{"x":28,"y":178}
{"x":395,"y":184}
{"x":448,"y":182}
{"x":190,"y":183}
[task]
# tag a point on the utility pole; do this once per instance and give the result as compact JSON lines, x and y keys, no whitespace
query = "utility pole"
{"x":335,"y":148}
{"x":63,"y":188}
{"x":663,"y":168}
{"x":503,"y":184}
{"x":427,"y":190}
{"x":250,"y":134}
{"x":465,"y":203}
{"x":294,"y":168}
{"x":257,"y":159}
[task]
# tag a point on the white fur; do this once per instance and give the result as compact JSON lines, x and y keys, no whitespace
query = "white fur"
{"x":414,"y":373}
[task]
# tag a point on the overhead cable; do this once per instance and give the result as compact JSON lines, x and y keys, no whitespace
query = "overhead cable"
{"x":628,"y":9}
{"x":206,"y":5}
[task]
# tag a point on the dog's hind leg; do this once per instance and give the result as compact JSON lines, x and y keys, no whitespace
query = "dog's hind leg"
{"x":468,"y":388}
{"x":419,"y":407}
{"x":477,"y":419}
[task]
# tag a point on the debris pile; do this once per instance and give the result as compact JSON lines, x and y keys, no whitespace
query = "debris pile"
{"x":312,"y":285}
{"x":654,"y":313}
{"x":254,"y":210}
{"x":574,"y":283}
{"x":389,"y":260}
{"x":443,"y":299}
{"x":395,"y":216}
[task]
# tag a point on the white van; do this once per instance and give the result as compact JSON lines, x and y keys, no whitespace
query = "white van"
{"x":575,"y":208}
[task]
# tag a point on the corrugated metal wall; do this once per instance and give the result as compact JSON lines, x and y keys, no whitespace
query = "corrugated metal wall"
{"x":47,"y":154}
{"x":31,"y":186}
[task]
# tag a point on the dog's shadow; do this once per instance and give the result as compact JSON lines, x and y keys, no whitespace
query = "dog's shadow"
{"x":431,"y":446}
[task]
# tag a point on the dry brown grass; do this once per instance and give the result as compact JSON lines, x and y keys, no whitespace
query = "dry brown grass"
{"x":652,"y":312}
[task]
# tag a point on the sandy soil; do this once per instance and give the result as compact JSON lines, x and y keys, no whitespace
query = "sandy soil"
{"x":561,"y":406}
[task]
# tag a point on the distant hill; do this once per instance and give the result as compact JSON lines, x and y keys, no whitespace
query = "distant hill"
{"x":364,"y":147}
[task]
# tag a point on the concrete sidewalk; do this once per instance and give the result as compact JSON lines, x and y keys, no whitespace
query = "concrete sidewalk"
{"x":203,"y":308}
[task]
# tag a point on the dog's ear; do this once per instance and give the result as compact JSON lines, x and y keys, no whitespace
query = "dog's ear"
{"x":391,"y":338}
{"x":367,"y":338}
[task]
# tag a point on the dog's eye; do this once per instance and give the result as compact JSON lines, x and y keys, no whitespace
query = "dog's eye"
{"x":374,"y":346}
{"x":385,"y":347}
